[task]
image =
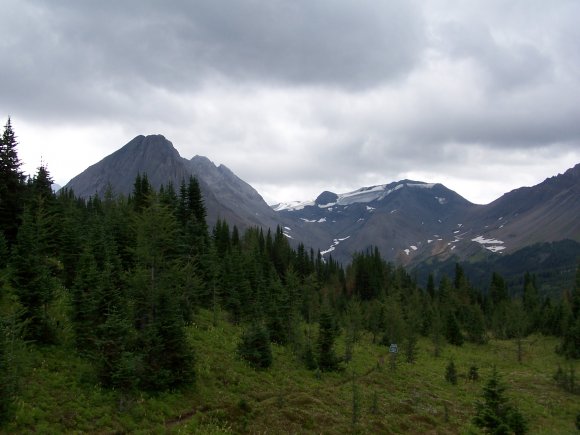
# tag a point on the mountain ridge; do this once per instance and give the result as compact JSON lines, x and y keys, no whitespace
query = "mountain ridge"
{"x":409,"y":221}
{"x":226,"y":196}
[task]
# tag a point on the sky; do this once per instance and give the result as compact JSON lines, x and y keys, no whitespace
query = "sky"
{"x":301,"y":96}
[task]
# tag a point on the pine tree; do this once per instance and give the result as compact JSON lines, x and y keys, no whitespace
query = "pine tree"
{"x":11,"y":185}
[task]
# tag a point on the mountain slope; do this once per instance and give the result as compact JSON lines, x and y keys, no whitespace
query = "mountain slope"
{"x":226,"y":196}
{"x":411,"y":221}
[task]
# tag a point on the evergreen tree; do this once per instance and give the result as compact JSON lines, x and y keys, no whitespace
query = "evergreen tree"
{"x":255,"y":346}
{"x":451,"y":373}
{"x":328,"y":331}
{"x":431,"y":286}
{"x":494,"y":414}
{"x":498,"y":289}
{"x":475,"y":324}
{"x":453,"y":332}
{"x":7,"y":379}
{"x":531,"y":300}
{"x":33,"y":264}
{"x":11,"y":185}
{"x":570,"y":345}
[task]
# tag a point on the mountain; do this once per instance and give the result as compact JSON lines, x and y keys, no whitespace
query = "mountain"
{"x":226,"y":196}
{"x":412,"y":221}
{"x":409,"y":221}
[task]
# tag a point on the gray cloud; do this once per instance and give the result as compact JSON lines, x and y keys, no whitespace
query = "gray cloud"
{"x":299,"y":96}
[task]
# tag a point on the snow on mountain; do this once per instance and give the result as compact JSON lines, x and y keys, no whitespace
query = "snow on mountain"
{"x":496,"y":245}
{"x":362,"y":195}
{"x":332,"y":247}
{"x":292,"y":205}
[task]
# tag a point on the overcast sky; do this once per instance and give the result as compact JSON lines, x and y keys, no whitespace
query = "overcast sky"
{"x":301,"y":96}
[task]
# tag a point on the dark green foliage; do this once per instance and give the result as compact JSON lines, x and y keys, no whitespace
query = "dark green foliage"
{"x":473,"y":374}
{"x":570,"y":346}
{"x":566,"y":379}
{"x":34,"y":268}
{"x":309,"y":358}
{"x":498,"y":289}
{"x":411,"y":348}
{"x":11,"y":185}
{"x":328,"y":331}
{"x":494,"y":414}
{"x":453,"y":332}
{"x":475,"y":324}
{"x":7,"y":378}
{"x":255,"y":346}
{"x":117,"y":364}
{"x":451,"y":373}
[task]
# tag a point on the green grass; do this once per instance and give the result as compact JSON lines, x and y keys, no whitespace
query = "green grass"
{"x":59,"y":394}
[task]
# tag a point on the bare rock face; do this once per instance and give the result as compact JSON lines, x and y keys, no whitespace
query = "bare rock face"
{"x":226,"y":196}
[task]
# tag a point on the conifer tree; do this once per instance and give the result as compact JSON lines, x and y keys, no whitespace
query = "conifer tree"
{"x":494,"y":414}
{"x":7,"y":380}
{"x":328,"y":331}
{"x":451,"y":373}
{"x":33,"y":279}
{"x":255,"y":346}
{"x":11,"y":185}
{"x":453,"y":332}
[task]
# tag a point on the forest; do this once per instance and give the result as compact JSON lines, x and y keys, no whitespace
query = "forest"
{"x":119,"y":285}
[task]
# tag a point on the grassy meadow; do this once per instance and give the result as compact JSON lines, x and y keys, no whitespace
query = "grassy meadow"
{"x":59,"y":393}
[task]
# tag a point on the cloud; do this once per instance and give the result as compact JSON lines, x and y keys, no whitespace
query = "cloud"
{"x":299,"y":96}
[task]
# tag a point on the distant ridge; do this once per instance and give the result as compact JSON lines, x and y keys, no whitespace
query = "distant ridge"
{"x":409,"y":221}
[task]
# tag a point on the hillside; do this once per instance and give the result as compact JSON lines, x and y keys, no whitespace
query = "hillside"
{"x":412,"y":221}
{"x":230,"y":397}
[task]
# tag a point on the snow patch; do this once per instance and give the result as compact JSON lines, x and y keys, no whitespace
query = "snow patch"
{"x":370,"y":209}
{"x":292,"y":205}
{"x":335,"y":243}
{"x":407,"y":251}
{"x":441,"y":200}
{"x":422,"y":185}
{"x":413,"y":247}
{"x":429,"y":241}
{"x":495,"y":244}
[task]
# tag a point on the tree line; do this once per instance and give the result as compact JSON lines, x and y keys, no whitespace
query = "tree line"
{"x":125,"y":276}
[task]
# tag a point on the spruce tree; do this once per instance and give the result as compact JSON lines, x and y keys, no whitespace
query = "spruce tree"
{"x":33,"y":279}
{"x":453,"y":332}
{"x":494,"y":414}
{"x":11,"y":185}
{"x":328,"y":331}
{"x":451,"y":373}
{"x":255,"y":346}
